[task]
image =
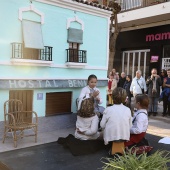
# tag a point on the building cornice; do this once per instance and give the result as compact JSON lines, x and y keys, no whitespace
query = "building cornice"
{"x":73,"y":5}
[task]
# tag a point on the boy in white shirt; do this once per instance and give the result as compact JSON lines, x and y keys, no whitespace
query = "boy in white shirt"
{"x":116,"y":121}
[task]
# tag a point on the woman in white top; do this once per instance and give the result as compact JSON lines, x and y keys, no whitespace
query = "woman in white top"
{"x":116,"y":121}
{"x":87,"y":127}
{"x":139,"y":121}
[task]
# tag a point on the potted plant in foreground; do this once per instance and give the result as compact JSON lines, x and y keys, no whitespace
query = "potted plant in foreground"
{"x":156,"y":161}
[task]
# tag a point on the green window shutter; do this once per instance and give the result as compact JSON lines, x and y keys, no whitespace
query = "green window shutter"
{"x":32,"y":34}
{"x":75,"y":36}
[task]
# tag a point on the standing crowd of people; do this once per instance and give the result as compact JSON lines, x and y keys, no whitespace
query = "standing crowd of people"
{"x":157,"y":88}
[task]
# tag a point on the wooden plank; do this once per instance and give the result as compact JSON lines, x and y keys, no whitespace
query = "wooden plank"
{"x":26,"y":96}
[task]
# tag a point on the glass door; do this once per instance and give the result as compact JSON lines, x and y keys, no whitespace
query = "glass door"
{"x":136,"y":60}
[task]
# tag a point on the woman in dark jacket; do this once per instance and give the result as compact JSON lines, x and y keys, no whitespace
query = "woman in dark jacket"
{"x":163,"y":75}
{"x":153,"y":82}
{"x":126,"y":86}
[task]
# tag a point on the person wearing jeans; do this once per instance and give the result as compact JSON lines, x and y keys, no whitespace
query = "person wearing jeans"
{"x":153,"y":82}
{"x":166,"y":100}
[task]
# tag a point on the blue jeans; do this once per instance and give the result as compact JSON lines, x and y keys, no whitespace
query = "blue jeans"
{"x":153,"y":104}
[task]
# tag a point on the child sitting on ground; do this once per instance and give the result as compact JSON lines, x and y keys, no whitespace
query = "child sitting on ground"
{"x":116,"y":121}
{"x":87,"y":120}
{"x":139,"y":121}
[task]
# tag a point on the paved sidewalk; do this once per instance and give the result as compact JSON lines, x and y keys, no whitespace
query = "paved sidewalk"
{"x":53,"y":156}
{"x":158,"y":125}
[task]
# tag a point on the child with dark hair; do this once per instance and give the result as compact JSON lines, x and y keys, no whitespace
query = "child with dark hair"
{"x":139,"y":121}
{"x":116,"y":121}
{"x":92,"y":91}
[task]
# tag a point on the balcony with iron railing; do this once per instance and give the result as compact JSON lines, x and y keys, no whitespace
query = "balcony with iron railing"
{"x":134,"y":4}
{"x":19,"y":52}
{"x":76,"y":58}
{"x":127,"y":5}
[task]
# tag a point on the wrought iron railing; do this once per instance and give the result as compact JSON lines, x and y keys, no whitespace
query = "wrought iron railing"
{"x":19,"y":52}
{"x":78,"y":56}
{"x":132,"y":4}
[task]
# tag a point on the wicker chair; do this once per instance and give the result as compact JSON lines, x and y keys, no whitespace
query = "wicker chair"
{"x":15,"y":120}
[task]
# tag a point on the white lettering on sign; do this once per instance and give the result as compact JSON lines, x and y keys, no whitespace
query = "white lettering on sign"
{"x":77,"y":83}
{"x":12,"y":83}
{"x":70,"y":83}
{"x":55,"y":85}
{"x":42,"y":83}
{"x":39,"y":82}
{"x":81,"y":83}
{"x":31,"y":84}
{"x":47,"y":84}
{"x":22,"y":83}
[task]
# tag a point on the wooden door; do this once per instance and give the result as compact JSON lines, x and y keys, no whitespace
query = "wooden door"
{"x":26,"y":96}
{"x":58,"y":103}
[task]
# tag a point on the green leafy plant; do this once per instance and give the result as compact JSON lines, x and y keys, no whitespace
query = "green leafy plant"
{"x":156,"y":161}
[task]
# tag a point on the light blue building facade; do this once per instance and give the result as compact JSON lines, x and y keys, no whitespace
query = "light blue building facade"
{"x":48,"y":50}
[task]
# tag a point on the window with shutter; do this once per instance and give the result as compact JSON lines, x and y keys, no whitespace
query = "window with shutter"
{"x":33,"y":39}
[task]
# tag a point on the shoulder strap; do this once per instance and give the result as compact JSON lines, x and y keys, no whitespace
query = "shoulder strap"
{"x":139,"y":84}
{"x":136,"y":116}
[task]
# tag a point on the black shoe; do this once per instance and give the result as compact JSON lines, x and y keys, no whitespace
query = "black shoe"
{"x":164,"y":114}
{"x":154,"y":113}
{"x":149,"y":113}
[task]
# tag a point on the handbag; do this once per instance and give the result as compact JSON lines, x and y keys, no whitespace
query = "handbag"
{"x":141,"y":88}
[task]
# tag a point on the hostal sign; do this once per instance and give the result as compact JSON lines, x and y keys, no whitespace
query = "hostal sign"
{"x":36,"y":84}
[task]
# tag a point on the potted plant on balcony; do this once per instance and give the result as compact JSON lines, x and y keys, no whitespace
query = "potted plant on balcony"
{"x":129,"y":161}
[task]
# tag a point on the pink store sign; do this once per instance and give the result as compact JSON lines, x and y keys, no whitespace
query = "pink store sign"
{"x":154,"y":59}
{"x":158,"y":37}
